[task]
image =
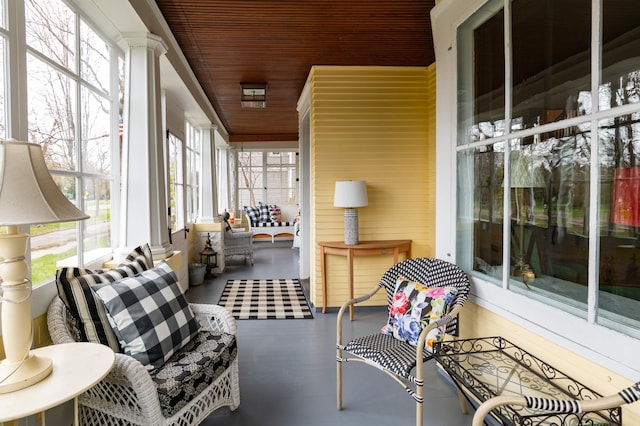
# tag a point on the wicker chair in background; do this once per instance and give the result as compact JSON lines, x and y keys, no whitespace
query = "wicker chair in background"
{"x":558,"y":406}
{"x":237,"y":243}
{"x":396,"y":358}
{"x":128,"y":395}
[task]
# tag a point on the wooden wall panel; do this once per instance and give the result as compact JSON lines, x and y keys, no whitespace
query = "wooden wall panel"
{"x":376,"y":124}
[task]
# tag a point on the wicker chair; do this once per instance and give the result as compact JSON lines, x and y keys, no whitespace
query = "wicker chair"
{"x":557,"y":406}
{"x":396,"y":358}
{"x":131,"y":395}
{"x":238,"y":243}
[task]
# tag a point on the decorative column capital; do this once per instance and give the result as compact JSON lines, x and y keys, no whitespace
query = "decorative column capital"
{"x":147,"y":40}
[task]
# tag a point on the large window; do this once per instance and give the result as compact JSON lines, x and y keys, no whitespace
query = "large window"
{"x":3,"y":77}
{"x":176,"y":182}
{"x":194,"y":161}
{"x":548,"y":153}
{"x":267,"y":177}
{"x":70,"y":99}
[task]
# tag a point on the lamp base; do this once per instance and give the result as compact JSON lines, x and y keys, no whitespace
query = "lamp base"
{"x":522,"y":269}
{"x":31,"y":371}
{"x":351,"y":227}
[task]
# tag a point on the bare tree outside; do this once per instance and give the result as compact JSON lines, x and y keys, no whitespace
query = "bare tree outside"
{"x":69,"y":115}
{"x":250,"y":177}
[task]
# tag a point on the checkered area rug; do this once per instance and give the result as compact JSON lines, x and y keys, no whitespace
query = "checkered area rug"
{"x":265,"y":299}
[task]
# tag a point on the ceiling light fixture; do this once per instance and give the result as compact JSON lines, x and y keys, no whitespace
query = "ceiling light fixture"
{"x":254,"y":95}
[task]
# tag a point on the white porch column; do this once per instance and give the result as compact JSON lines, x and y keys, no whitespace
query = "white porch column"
{"x":144,"y":216}
{"x":208,"y":188}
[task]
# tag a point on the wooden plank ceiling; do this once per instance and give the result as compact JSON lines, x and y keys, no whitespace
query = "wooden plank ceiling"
{"x":277,"y":42}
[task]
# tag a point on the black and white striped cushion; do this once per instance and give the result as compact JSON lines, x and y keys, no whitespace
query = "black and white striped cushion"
{"x":149,"y":314}
{"x":273,"y":224}
{"x":395,"y":355}
{"x":74,"y":289}
{"x":631,"y":394}
{"x":553,"y":405}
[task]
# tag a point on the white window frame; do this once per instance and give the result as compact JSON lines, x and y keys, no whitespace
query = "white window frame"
{"x":16,"y":103}
{"x":176,"y":155}
{"x":193,"y":171}
{"x":586,"y":338}
{"x":262,"y":194}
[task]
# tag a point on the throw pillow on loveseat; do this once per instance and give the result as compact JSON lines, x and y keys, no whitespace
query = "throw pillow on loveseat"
{"x":267,"y":219}
{"x":181,"y":388}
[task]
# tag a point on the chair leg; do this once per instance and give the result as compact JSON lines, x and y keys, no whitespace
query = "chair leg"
{"x":463,"y":402}
{"x":419,"y":406}
{"x":339,"y":384}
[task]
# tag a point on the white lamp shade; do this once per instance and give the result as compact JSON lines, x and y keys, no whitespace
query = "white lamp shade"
{"x":350,"y":194}
{"x":28,"y":193}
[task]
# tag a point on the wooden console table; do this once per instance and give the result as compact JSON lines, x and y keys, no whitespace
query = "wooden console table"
{"x":364,"y":248}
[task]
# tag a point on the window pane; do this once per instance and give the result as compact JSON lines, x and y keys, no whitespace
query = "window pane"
{"x":55,"y":244}
{"x":194,"y":147}
{"x":96,"y":229}
{"x":3,"y":97}
{"x":94,"y":58}
{"x":550,"y":215}
{"x":481,"y":85}
{"x":96,"y":143}
{"x":551,"y":58}
{"x":488,"y":201}
{"x":620,"y":74}
{"x":51,"y":29}
{"x":52,"y":114}
{"x":250,"y":178}
{"x":3,"y":14}
{"x":619,"y":295}
{"x":176,"y":185}
{"x":281,"y":175}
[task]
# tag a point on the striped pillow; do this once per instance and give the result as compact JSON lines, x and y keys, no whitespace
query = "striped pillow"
{"x":74,"y":289}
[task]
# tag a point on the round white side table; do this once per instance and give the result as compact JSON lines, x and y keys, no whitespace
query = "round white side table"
{"x":76,"y":368}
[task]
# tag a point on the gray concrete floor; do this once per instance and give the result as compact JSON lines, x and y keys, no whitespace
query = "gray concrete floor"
{"x":287,"y":367}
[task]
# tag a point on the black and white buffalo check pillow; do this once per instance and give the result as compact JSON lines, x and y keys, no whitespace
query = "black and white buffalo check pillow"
{"x":74,"y":289}
{"x":149,"y":315}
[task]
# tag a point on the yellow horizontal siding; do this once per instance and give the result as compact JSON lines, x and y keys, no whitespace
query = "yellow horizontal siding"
{"x":375,"y":124}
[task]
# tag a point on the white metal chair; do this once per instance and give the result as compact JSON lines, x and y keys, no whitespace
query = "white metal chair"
{"x":398,"y":359}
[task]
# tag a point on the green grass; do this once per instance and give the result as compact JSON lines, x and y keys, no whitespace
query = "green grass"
{"x":44,"y":268}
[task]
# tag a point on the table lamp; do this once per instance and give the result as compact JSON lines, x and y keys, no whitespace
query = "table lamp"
{"x":350,"y":194}
{"x":524,"y":175}
{"x":28,"y":195}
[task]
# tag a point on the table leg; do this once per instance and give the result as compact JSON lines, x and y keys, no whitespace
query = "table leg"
{"x":350,"y":266}
{"x":75,"y":412}
{"x":324,"y":279}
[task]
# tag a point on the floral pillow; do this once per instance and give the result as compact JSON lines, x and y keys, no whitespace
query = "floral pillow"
{"x":413,"y":307}
{"x":275,"y":213}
